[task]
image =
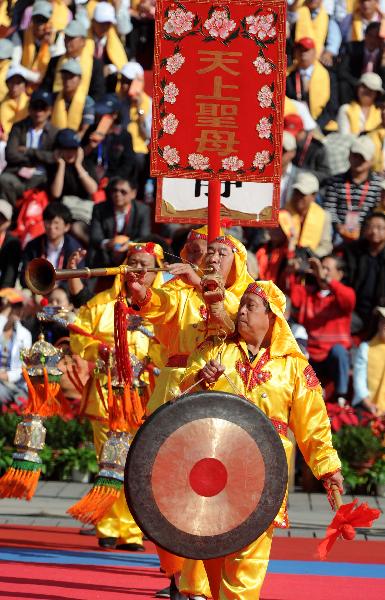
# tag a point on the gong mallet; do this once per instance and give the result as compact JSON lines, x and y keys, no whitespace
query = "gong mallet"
{"x":346,"y":519}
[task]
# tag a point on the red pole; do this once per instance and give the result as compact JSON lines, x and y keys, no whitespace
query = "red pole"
{"x":214,"y":209}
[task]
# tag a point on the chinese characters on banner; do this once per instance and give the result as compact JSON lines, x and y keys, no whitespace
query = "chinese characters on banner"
{"x":244,"y":203}
{"x":219,"y":92}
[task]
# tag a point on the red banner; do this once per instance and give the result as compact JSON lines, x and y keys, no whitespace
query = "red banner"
{"x":219,"y":88}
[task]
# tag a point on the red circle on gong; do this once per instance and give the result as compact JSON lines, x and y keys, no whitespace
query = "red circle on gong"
{"x":208,"y":477}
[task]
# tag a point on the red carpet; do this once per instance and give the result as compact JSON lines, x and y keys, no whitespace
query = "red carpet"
{"x":42,"y":563}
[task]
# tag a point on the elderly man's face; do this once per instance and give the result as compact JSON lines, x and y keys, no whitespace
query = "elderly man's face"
{"x":368,"y":7}
{"x":358,"y":164}
{"x":313,"y":4}
{"x":254,"y":316}
{"x":100,"y":29}
{"x":70,"y":82}
{"x":221,"y":258}
{"x":39,"y":26}
{"x":373,"y":41}
{"x":122,"y":194}
{"x":301,"y":202}
{"x":143,"y":260}
{"x":375,"y":230}
{"x":74,"y":45}
{"x":305,"y":56}
{"x":330,"y":269}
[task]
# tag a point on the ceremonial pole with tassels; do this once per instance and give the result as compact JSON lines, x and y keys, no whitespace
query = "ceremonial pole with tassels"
{"x":44,"y":400}
{"x":125,"y":415}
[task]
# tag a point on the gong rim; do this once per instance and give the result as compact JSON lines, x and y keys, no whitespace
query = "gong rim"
{"x":150,"y":438}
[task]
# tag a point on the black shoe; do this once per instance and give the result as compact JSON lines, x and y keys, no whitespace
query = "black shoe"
{"x":107,"y":543}
{"x":174,"y":592}
{"x":87,"y":531}
{"x":165,"y":593}
{"x":130,"y":547}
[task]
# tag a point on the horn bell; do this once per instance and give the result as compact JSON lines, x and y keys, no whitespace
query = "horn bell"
{"x":40,"y":276}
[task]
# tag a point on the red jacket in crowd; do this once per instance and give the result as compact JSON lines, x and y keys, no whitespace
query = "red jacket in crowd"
{"x":325,"y":314}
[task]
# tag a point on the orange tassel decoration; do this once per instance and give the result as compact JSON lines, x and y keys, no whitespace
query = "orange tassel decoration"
{"x":125,"y":414}
{"x":42,"y":378}
{"x":92,"y":507}
{"x":18,"y":482}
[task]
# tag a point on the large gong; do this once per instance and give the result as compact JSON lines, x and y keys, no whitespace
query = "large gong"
{"x":206,"y":475}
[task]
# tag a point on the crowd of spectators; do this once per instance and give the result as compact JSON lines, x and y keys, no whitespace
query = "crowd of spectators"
{"x":75,"y":127}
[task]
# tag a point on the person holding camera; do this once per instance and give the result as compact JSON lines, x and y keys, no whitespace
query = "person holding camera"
{"x":311,"y":224}
{"x":325,"y":307}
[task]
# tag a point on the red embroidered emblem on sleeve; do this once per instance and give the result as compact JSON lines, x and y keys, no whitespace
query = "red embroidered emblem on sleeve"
{"x":311,"y":378}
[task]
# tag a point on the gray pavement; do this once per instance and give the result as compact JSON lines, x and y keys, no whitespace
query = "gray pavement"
{"x":309,"y":514}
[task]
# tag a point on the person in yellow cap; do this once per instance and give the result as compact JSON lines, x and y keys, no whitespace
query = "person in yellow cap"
{"x":92,"y":338}
{"x":311,"y":225}
{"x":263,"y":361}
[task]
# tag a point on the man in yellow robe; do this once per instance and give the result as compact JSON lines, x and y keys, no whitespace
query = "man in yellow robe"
{"x":92,"y":338}
{"x":179,"y":307}
{"x":263,"y":363}
{"x":182,"y":311}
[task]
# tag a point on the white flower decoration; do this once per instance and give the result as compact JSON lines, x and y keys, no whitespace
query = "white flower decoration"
{"x":198,"y":162}
{"x":263,"y":66}
{"x":265,"y":97}
{"x":171,"y":155}
{"x":178,"y":22}
{"x":261,"y":26}
{"x":219,"y":25}
{"x":261,"y":159}
{"x":232,"y":163}
{"x":174,"y":62}
{"x":170,"y":92}
{"x":170,"y":124}
{"x":264,"y":128}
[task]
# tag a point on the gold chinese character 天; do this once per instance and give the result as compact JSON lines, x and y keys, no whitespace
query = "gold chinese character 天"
{"x":218,"y":60}
{"x":217,"y":115}
{"x":221,"y":142}
{"x":218,"y":87}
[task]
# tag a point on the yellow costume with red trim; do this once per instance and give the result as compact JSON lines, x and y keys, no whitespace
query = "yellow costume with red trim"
{"x":91,"y":334}
{"x":181,"y":311}
{"x":283,"y":385}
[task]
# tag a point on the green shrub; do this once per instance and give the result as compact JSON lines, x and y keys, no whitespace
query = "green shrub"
{"x":68,"y":445}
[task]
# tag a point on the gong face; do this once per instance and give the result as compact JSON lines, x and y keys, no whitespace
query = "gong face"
{"x":206,"y":476}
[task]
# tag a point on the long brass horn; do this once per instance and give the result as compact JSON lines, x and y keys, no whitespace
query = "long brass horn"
{"x":41,"y":276}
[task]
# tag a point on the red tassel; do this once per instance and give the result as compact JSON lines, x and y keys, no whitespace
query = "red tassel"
{"x":122,"y":354}
{"x":347,"y":517}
